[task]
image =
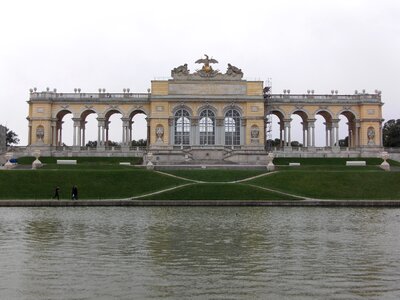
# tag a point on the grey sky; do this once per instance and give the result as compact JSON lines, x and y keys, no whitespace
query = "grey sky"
{"x":320,"y":45}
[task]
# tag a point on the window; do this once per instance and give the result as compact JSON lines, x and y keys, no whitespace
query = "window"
{"x":182,"y":127}
{"x":207,"y":127}
{"x":232,"y":127}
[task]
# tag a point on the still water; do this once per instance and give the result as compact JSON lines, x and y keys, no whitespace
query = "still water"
{"x":199,"y":253}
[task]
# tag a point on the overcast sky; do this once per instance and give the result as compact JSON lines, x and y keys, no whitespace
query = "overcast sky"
{"x":321,"y":45}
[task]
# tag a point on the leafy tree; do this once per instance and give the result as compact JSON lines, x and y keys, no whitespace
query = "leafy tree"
{"x":391,"y":133}
{"x":11,"y":137}
{"x":91,"y":144}
{"x":139,"y":143}
{"x":344,"y":142}
{"x":296,"y":144}
{"x":111,"y":144}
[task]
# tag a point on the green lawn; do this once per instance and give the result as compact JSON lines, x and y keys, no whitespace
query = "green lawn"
{"x":216,"y":175}
{"x":330,"y":161}
{"x":217,"y":191}
{"x":335,"y":185}
{"x":27,"y":160}
{"x":92,"y":184}
{"x":104,"y":178}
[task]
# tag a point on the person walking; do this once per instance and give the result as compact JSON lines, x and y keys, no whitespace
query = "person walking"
{"x":57,"y":193}
{"x":74,"y":192}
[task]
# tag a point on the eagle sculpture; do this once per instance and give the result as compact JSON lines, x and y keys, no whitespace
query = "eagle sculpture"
{"x":206,"y":61}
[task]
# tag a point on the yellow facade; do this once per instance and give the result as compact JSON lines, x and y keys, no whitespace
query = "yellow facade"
{"x":207,"y":103}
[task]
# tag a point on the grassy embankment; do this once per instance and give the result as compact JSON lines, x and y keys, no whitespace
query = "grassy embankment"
{"x":104,"y":178}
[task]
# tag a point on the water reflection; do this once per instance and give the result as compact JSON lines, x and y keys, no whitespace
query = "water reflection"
{"x":199,"y":253}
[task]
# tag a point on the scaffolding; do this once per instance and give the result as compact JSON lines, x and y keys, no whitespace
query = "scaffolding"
{"x":268,"y":118}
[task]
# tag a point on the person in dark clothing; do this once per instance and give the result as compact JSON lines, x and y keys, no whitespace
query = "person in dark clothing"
{"x":74,"y":192}
{"x":57,"y":193}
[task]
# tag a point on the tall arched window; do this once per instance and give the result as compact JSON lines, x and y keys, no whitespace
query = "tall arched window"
{"x":207,"y":127}
{"x":182,"y":127}
{"x":232,"y":127}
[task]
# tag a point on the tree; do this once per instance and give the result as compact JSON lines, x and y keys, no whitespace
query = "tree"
{"x":11,"y":137}
{"x":91,"y":144}
{"x":391,"y":133}
{"x":139,"y":143}
{"x":344,"y":142}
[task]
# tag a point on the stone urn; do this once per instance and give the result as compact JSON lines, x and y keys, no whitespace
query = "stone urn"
{"x":385,"y":165}
{"x":37,"y":163}
{"x":149,"y":165}
{"x":270,"y":164}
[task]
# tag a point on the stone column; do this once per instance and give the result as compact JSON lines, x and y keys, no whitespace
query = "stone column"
{"x":100,"y":133}
{"x":148,"y":131}
{"x":357,"y":134}
{"x":54,"y":133}
{"x":83,"y":128}
{"x":335,"y":127}
{"x":125,"y":133}
{"x":194,"y":131}
{"x":171,"y":125}
{"x":219,"y":131}
{"x":311,"y":134}
{"x":287,"y":136}
{"x":243,"y":124}
{"x":304,"y":133}
{"x":77,"y":133}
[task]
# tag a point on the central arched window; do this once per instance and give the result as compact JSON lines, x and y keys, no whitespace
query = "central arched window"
{"x":232,"y":127}
{"x":182,"y":127}
{"x":207,"y":127}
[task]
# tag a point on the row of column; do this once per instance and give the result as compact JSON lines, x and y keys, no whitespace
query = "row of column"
{"x":79,"y":128}
{"x":331,"y":133}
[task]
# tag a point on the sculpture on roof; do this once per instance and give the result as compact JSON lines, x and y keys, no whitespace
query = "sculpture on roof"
{"x":234,"y":71}
{"x":206,"y":71}
{"x":183,"y":70}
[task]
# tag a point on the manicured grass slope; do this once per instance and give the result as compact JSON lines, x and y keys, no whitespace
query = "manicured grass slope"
{"x":92,"y":184}
{"x":215,"y":175}
{"x":335,"y":185}
{"x":216,"y":191}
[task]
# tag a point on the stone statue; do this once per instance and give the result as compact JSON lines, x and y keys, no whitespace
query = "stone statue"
{"x":255,"y":132}
{"x":40,"y":133}
{"x":371,"y":136}
{"x":181,"y":70}
{"x":233,"y":71}
{"x":160,"y":133}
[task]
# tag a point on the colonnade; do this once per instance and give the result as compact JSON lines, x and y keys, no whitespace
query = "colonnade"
{"x":79,"y":132}
{"x":308,"y":133}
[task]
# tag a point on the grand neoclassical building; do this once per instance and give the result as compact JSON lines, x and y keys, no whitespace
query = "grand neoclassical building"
{"x":207,"y":115}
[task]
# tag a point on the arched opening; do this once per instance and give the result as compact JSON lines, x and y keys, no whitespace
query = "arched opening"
{"x":181,"y":127}
{"x":324,"y":129}
{"x":274,"y":130}
{"x":137,"y":132}
{"x":207,"y":127}
{"x":88,"y":129}
{"x":348,"y":135}
{"x":232,"y":127}
{"x":113,"y":128}
{"x":299,"y":129}
{"x":63,"y":135}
